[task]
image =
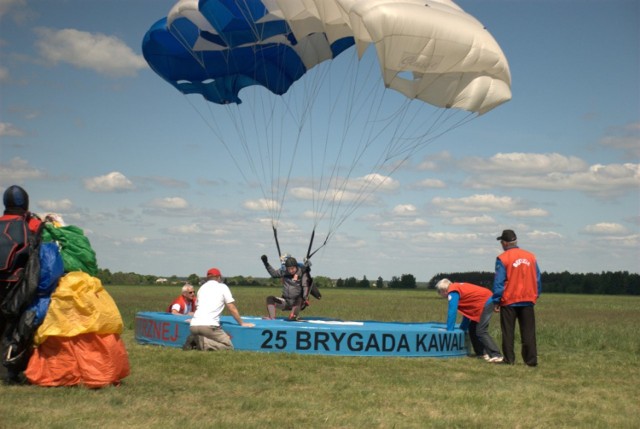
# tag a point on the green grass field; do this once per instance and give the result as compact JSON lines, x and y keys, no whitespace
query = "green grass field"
{"x":588,"y":375}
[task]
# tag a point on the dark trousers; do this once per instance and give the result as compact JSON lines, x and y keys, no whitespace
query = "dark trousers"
{"x":527,"y":322}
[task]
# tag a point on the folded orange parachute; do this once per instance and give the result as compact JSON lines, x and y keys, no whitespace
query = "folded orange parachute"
{"x":91,"y":360}
{"x":79,"y":339}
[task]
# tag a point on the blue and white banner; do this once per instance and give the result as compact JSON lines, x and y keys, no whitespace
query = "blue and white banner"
{"x":315,"y":336}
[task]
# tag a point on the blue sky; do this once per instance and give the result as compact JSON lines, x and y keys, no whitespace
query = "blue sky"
{"x":95,"y":135}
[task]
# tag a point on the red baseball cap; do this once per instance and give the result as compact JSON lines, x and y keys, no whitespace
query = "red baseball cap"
{"x":213,"y":272}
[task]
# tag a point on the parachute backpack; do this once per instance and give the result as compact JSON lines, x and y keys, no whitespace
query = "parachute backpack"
{"x":14,"y":249}
{"x":17,"y":244}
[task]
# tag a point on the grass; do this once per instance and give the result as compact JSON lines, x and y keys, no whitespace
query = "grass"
{"x":588,"y":375}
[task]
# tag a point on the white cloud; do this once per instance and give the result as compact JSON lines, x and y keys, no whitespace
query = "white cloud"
{"x":525,"y":163}
{"x":7,"y":129}
{"x":94,"y":51}
{"x":185,"y":229}
{"x":303,"y":193}
{"x":605,"y":228}
{"x":430,"y":184}
{"x":478,"y":202}
{"x":629,"y":241}
{"x":529,"y":213}
{"x":375,"y":181}
{"x":472,"y":220}
{"x":444,"y":237}
{"x":112,"y":182}
{"x":551,"y":172}
{"x":404,"y":210}
{"x":261,"y":204}
{"x":169,"y":203}
{"x":63,"y":205}
{"x":544,"y":235}
{"x":8,"y":5}
{"x":626,"y":138}
{"x":436,"y":161}
{"x":17,"y":171}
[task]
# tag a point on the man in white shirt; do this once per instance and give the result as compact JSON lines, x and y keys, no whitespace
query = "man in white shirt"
{"x":213,"y":296}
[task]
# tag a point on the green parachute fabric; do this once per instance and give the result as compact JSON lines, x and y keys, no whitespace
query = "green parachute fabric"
{"x":77,"y":254}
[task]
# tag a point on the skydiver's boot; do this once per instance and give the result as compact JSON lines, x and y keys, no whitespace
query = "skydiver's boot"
{"x":293,"y":316}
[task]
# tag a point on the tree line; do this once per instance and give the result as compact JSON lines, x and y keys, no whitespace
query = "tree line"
{"x":604,"y":283}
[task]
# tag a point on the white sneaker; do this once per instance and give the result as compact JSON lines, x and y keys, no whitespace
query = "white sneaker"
{"x":485,"y":357}
{"x":496,"y":359}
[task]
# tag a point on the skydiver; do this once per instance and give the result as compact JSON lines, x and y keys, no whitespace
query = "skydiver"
{"x":296,"y":285}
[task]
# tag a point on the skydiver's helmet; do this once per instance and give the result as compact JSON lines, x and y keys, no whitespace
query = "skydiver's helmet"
{"x":15,"y":199}
{"x":291,"y":262}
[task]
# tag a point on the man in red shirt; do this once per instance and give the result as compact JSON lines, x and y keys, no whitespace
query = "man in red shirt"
{"x":476,"y":306}
{"x":186,"y":303}
{"x":516,"y":288}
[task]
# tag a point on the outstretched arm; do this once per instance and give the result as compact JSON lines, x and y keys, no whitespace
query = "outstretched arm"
{"x":236,"y":315}
{"x":272,"y":271}
{"x":452,"y":311}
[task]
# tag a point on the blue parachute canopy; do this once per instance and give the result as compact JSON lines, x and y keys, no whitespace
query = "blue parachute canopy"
{"x":237,"y":47}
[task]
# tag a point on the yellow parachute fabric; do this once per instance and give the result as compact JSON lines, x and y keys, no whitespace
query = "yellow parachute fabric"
{"x":79,"y":305}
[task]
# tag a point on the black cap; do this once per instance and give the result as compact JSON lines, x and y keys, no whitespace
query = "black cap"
{"x":15,"y":198}
{"x":507,"y":235}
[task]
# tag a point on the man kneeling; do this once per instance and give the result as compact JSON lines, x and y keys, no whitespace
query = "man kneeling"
{"x":213,"y":296}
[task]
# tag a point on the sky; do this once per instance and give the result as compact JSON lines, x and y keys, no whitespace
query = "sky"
{"x":93,"y":134}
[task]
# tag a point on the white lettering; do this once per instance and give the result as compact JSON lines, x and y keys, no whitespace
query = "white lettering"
{"x":521,"y":261}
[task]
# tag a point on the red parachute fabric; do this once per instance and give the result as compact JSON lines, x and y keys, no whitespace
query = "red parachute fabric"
{"x":91,"y":360}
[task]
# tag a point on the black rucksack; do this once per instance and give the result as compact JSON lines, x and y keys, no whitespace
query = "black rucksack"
{"x":313,"y":289}
{"x":17,"y":244}
{"x":19,"y":275}
{"x":14,"y":250}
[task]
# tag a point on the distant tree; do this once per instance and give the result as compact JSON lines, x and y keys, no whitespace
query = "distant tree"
{"x":609,"y":283}
{"x":322,"y":282}
{"x":104,"y":275}
{"x":193,"y":279}
{"x":364,"y":283}
{"x":408,"y":281}
{"x":394,"y":283}
{"x":379,"y":283}
{"x":340,"y":283}
{"x":351,"y":282}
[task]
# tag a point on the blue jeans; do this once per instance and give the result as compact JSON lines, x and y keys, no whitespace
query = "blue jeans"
{"x":479,"y":334}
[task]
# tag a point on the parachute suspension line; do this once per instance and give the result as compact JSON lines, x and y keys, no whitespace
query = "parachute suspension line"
{"x":269,"y":151}
{"x":313,"y":234}
{"x":249,"y":19}
{"x":183,"y":41}
{"x":323,"y":184}
{"x":218,"y":136}
{"x":309,"y":253}
{"x":361,"y":95}
{"x":336,"y":192}
{"x":275,"y":235}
